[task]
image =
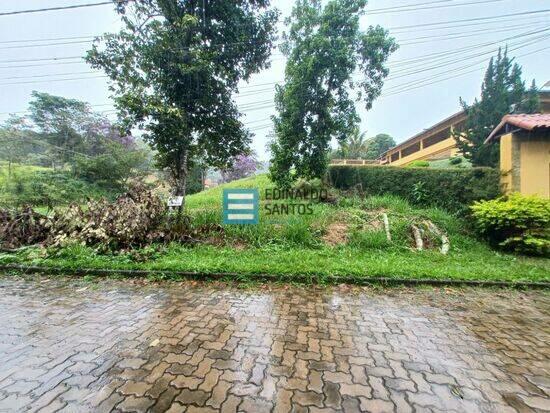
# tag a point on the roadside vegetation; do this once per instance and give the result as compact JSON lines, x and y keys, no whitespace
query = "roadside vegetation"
{"x":78,"y":190}
{"x":345,"y":236}
{"x":45,"y":187}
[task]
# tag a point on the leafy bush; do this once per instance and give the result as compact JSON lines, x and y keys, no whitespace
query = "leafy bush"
{"x":419,"y":193}
{"x":455,"y":160}
{"x":452,"y":189}
{"x":517,"y":223}
{"x":418,"y":164}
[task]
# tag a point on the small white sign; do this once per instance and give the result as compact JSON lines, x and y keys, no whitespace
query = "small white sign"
{"x":175,"y":201}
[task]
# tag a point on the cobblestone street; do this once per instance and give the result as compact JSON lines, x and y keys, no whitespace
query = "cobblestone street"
{"x":66,"y":345}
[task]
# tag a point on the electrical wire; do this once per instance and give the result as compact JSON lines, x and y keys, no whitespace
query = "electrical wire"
{"x":74,"y":6}
{"x":410,"y":8}
{"x":434,"y":58}
{"x":525,"y":13}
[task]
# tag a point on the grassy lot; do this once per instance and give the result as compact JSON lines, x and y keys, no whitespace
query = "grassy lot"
{"x":345,"y":238}
{"x":41,"y":187}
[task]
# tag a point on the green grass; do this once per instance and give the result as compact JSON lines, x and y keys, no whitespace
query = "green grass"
{"x":294,"y":245}
{"x":41,"y":187}
{"x":346,"y":261}
{"x":446,"y":163}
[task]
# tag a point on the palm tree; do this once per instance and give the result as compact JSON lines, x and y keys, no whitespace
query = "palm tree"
{"x":356,"y":146}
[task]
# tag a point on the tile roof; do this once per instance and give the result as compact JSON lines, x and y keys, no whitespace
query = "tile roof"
{"x":527,"y":122}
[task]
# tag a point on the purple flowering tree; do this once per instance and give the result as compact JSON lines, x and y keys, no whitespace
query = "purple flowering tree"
{"x":241,"y":167}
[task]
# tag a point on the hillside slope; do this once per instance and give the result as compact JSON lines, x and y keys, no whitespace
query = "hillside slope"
{"x":38,"y":186}
{"x":344,"y":237}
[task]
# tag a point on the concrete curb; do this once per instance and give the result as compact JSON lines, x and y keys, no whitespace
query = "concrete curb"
{"x":274,"y":277}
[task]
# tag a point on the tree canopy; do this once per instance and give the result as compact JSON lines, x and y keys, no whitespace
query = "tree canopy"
{"x":378,"y":145}
{"x":325,"y":47}
{"x":241,"y":166}
{"x":502,"y":91}
{"x":358,"y":146}
{"x":174,"y":68}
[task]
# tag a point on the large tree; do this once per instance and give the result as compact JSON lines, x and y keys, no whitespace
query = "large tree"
{"x":16,"y":141}
{"x":502,"y":91}
{"x":378,"y":145}
{"x":68,"y":128}
{"x":325,"y":47}
{"x":174,"y":68}
{"x":60,"y":122}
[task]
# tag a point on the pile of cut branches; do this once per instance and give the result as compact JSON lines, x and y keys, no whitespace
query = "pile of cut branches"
{"x":20,"y":227}
{"x":134,"y":219}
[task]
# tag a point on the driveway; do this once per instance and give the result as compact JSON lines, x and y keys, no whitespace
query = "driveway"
{"x":66,"y":345}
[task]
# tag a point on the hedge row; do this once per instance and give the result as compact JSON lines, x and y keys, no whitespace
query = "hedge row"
{"x":452,"y":189}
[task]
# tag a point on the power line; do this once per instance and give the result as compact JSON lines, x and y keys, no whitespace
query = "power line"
{"x":75,"y":6}
{"x":49,"y":75}
{"x":429,"y":80}
{"x":474,"y":33}
{"x":399,"y":9}
{"x":454,"y":59}
{"x":411,"y":5}
{"x":52,"y":39}
{"x":53,"y":80}
{"x":56,"y":59}
{"x":391,"y":64}
{"x":529,"y":13}
{"x":434,"y":58}
{"x":470,"y":20}
{"x":80,"y":62}
{"x":413,"y":29}
{"x":446,"y":36}
{"x":26,"y":46}
{"x":40,"y":59}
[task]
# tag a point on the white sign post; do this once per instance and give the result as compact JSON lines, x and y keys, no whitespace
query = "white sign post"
{"x":175,"y":201}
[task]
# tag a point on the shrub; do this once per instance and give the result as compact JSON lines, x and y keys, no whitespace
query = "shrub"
{"x":455,"y":160}
{"x":418,"y":164}
{"x":451,"y":189}
{"x":516,"y":223}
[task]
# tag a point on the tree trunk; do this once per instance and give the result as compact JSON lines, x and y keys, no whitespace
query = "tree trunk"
{"x":180,"y":179}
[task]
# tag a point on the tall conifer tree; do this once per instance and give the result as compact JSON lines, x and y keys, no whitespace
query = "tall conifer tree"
{"x":502,"y":91}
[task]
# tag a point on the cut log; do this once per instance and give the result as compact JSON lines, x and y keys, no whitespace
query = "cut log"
{"x":445,"y":244}
{"x":387,"y":226}
{"x":417,"y":238}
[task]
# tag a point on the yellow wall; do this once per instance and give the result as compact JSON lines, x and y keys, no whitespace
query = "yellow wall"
{"x":506,"y":162}
{"x":525,"y":164}
{"x":535,"y":167}
{"x":448,"y":145}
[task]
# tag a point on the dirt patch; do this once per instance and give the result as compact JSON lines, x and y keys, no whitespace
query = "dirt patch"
{"x":374,"y":220}
{"x":336,"y":234}
{"x":374,"y":223}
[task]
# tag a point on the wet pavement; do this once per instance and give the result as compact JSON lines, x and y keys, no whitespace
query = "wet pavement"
{"x":116,"y":346}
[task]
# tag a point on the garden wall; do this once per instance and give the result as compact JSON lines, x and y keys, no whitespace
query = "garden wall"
{"x":452,"y":189}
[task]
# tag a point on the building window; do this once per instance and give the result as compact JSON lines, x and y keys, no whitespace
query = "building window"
{"x":395,"y":156}
{"x":409,"y":150}
{"x":438,"y":137}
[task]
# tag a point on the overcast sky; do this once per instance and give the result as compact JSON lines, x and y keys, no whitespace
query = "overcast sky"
{"x":410,"y":102}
